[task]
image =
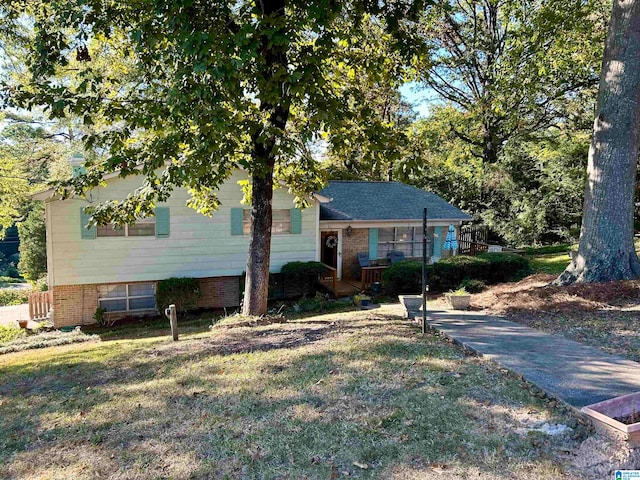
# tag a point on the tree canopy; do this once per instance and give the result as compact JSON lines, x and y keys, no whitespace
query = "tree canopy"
{"x":202,"y":88}
{"x":512,"y":66}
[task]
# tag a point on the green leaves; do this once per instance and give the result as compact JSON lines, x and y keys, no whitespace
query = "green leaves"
{"x":192,"y":89}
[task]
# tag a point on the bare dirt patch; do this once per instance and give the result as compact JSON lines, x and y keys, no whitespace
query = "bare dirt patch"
{"x":599,"y":457}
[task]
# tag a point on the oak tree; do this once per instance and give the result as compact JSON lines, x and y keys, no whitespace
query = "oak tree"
{"x":606,"y":250}
{"x":205,"y":87}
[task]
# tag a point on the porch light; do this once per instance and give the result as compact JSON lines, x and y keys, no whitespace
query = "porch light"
{"x":349,"y":230}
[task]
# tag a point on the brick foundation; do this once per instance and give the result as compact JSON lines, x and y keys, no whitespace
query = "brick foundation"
{"x":76,"y":304}
{"x":219,"y":292}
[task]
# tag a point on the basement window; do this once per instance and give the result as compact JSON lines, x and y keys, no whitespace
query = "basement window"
{"x":129,"y":297}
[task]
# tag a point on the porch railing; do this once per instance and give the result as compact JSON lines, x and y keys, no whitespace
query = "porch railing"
{"x":329,"y":278}
{"x":473,"y":239}
{"x":40,"y":304}
{"x":370,"y":275}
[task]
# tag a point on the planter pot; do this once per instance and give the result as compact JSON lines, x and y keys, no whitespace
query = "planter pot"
{"x":23,"y":323}
{"x":411,"y":303}
{"x":604,"y":414}
{"x":360,"y":300}
{"x":459,"y":302}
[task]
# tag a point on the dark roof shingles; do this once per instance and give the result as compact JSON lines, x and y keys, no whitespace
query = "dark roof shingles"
{"x":352,"y":200}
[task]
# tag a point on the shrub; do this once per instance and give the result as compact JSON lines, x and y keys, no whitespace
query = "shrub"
{"x":304,"y":274}
{"x":504,"y":267}
{"x":460,"y":292}
{"x":8,"y":334}
{"x":450,"y":273}
{"x":403,"y":277}
{"x":11,"y":271}
{"x":471,"y":285}
{"x":184,"y":293}
{"x":41,"y":284}
{"x":14,"y":296}
{"x":548,"y":249}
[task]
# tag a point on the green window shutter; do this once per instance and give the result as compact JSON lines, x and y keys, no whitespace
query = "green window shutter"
{"x":162,"y":222}
{"x":86,"y":233}
{"x":296,"y":221}
{"x":236,"y":221}
{"x":373,"y":244}
{"x":78,"y":170}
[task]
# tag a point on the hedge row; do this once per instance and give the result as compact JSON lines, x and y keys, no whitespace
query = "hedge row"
{"x":184,"y":293}
{"x":14,"y":296}
{"x":448,"y":273}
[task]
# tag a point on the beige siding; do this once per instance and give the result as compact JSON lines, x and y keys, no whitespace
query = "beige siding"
{"x":198,"y":246}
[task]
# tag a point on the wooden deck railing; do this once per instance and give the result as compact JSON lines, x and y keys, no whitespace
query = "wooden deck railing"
{"x":329,"y":278}
{"x":40,"y":304}
{"x":370,"y":275}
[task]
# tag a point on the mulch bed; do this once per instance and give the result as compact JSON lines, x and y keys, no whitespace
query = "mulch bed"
{"x":629,"y":419}
{"x":535,"y":293}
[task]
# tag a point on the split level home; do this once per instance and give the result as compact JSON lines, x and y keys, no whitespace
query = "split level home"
{"x":348,"y":223}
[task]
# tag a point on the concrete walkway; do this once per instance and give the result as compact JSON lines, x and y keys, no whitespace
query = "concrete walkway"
{"x":578,"y":374}
{"x":11,"y":314}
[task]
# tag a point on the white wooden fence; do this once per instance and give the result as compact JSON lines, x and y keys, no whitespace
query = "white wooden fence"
{"x":40,"y":304}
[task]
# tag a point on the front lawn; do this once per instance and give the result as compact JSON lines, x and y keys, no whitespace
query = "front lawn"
{"x":359,"y":394}
{"x":552,"y":263}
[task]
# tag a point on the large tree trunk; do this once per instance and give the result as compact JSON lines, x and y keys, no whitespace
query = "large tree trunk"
{"x":257,"y":281}
{"x":275,"y":104}
{"x":606,"y":250}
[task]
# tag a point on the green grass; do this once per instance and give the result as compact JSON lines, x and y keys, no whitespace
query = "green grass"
{"x":4,"y":281}
{"x":320,"y":397}
{"x":548,"y":249}
{"x":553,"y":263}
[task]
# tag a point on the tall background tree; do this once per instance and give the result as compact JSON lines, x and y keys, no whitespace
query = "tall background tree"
{"x":510,"y":65}
{"x":606,"y":250}
{"x":204,"y":88}
{"x":511,"y":86}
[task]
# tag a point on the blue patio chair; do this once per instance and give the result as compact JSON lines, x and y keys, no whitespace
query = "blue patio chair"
{"x":363,"y":259}
{"x":395,"y":256}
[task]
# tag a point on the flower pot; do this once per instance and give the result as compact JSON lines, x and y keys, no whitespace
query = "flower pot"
{"x":360,"y":300}
{"x":411,"y":303}
{"x":459,"y":302}
{"x":606,"y":417}
{"x":23,"y":323}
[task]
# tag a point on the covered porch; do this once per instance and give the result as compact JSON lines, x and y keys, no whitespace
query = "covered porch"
{"x":345,"y":287}
{"x":365,"y":226}
{"x":356,"y":257}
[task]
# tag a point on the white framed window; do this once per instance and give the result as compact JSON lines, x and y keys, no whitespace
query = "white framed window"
{"x":144,"y":227}
{"x":407,"y":240}
{"x":127,"y":297}
{"x":281,"y":221}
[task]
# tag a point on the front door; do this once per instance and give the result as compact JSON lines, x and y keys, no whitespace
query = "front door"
{"x":330,"y":249}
